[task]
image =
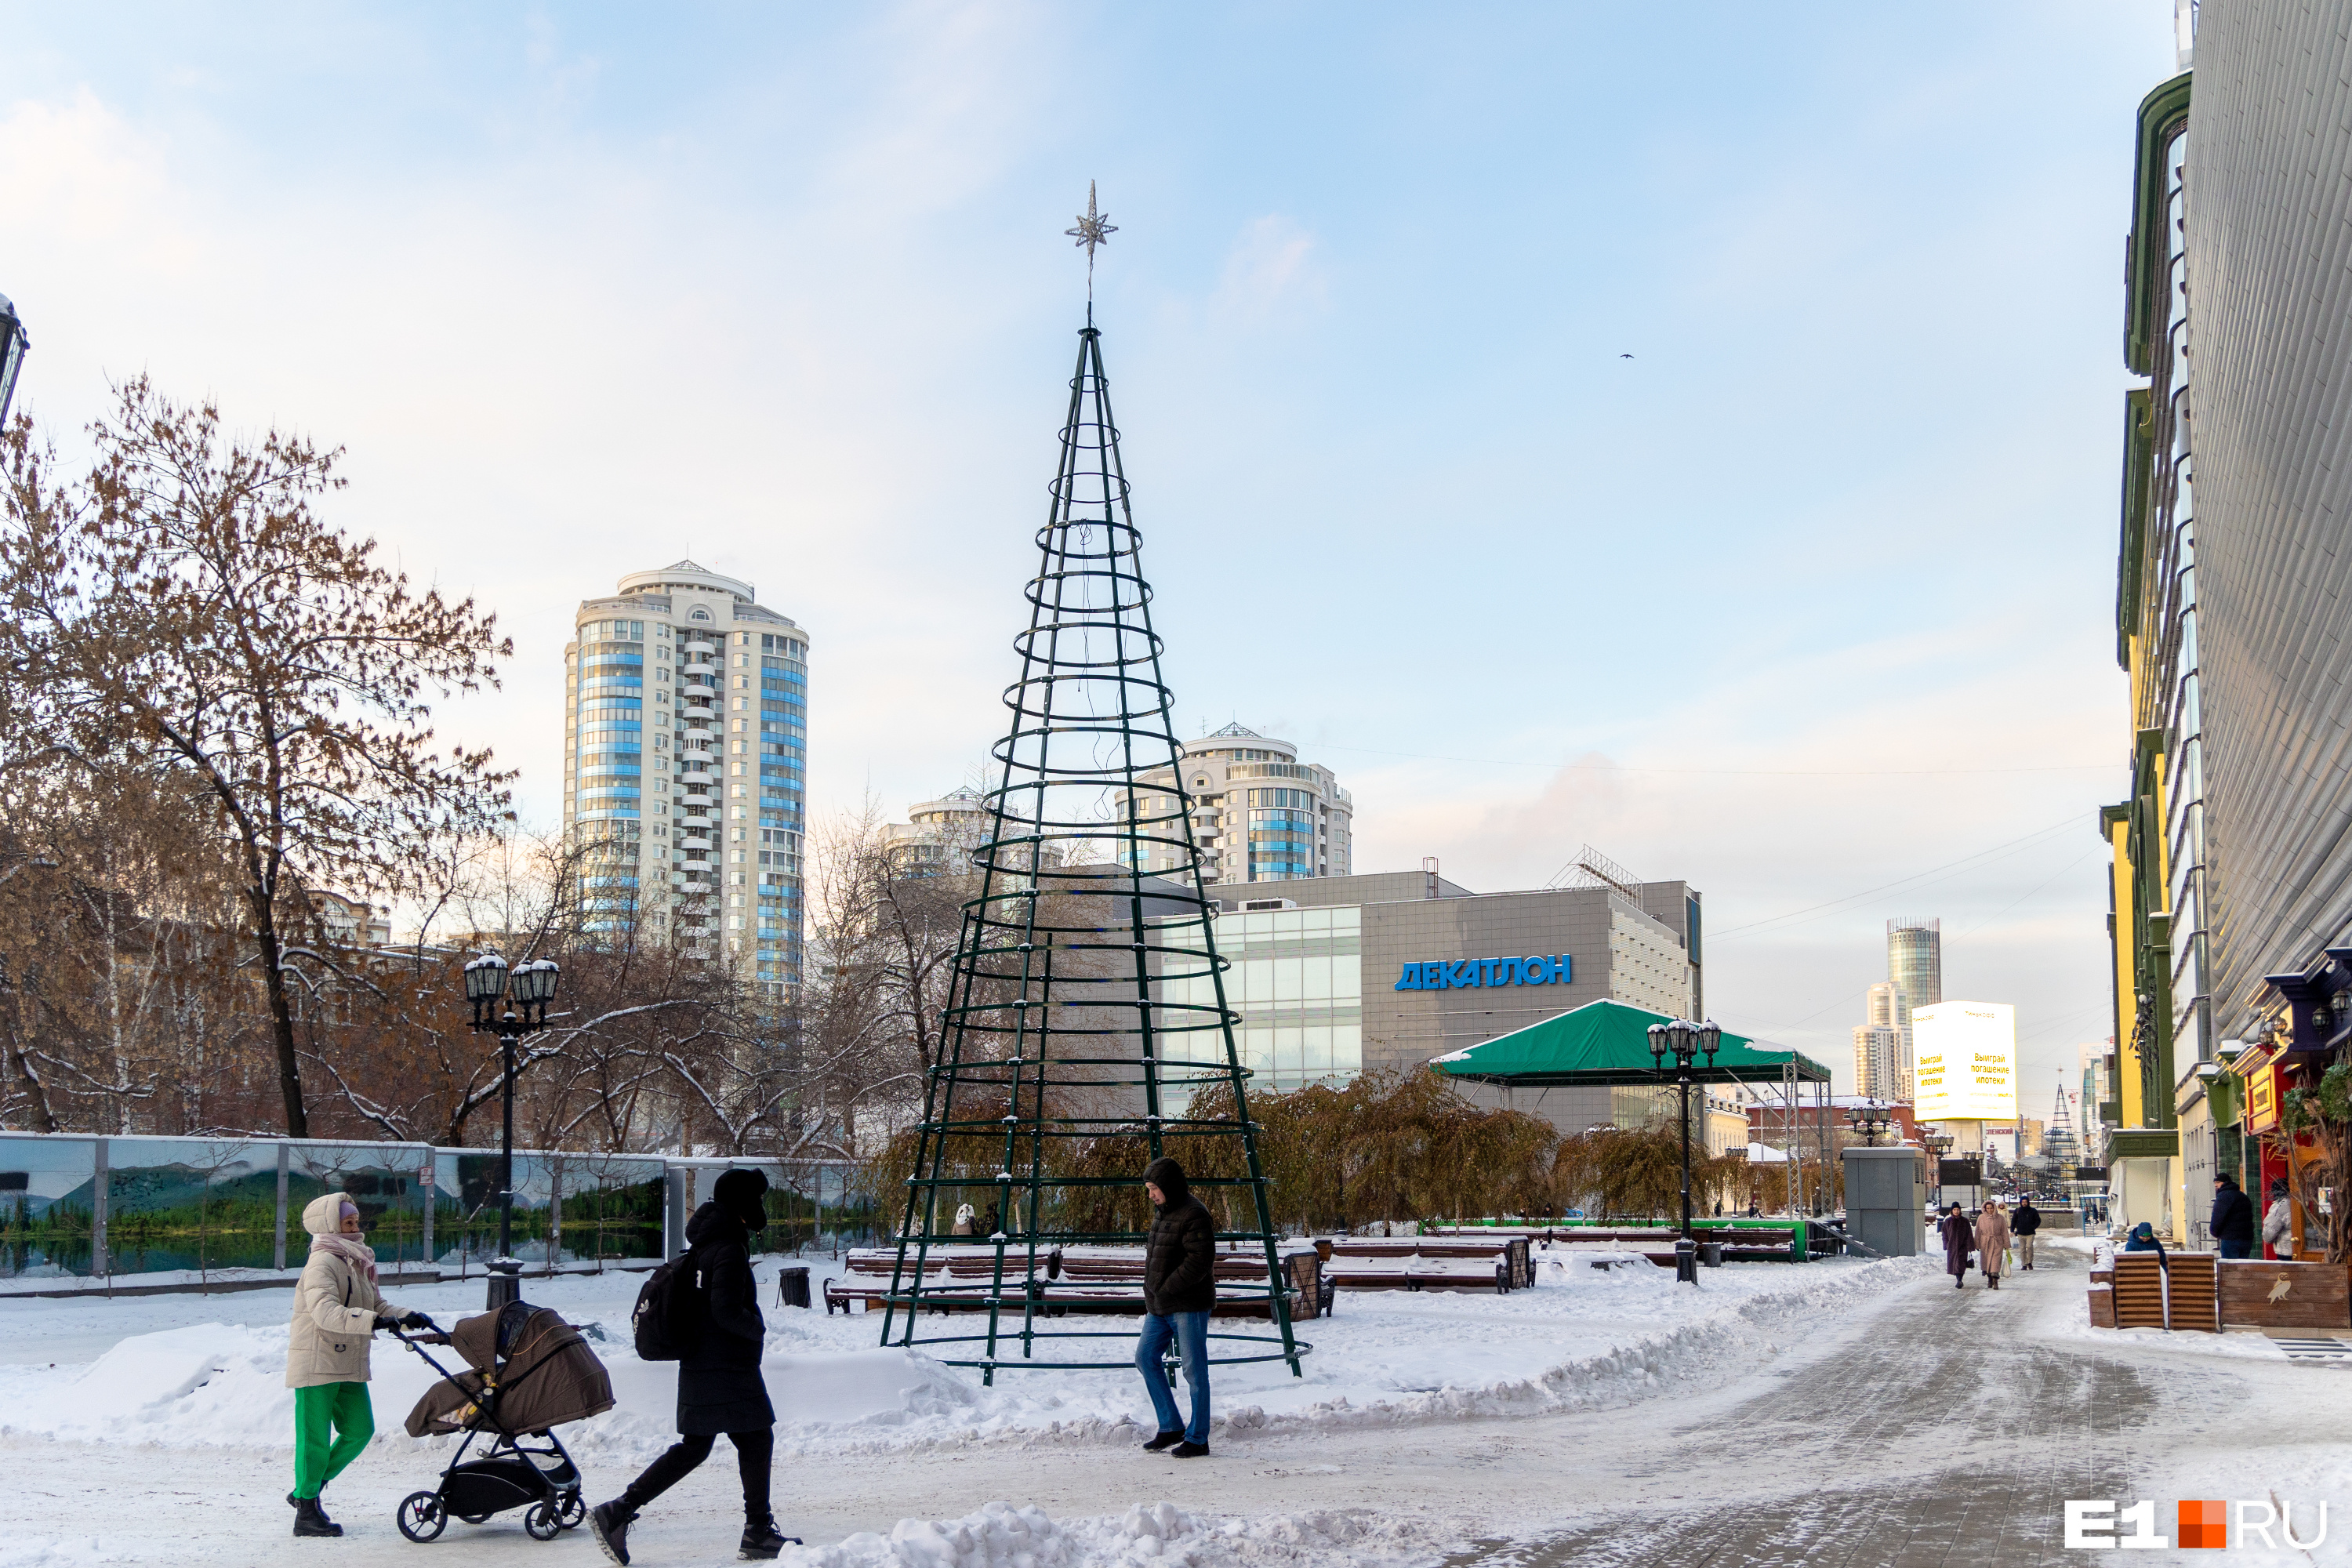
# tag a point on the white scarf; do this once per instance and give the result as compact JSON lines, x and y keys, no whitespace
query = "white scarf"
{"x":351,"y":1249}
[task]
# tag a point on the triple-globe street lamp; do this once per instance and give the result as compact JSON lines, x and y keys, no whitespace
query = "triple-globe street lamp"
{"x":1685,"y":1041}
{"x":529,"y":986}
{"x":1870,"y":1120}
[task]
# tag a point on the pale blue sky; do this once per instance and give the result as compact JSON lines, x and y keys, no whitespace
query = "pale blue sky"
{"x":584,"y":288}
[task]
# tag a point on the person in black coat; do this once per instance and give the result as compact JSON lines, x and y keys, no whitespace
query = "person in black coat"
{"x":2234,"y":1218}
{"x":719,"y":1385}
{"x":1960,"y":1240}
{"x":1180,"y":1287}
{"x":2024,"y":1222}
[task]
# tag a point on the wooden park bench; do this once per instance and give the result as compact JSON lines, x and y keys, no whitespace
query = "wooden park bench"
{"x":2167,"y":1291}
{"x":1430,"y":1263}
{"x":962,"y":1277}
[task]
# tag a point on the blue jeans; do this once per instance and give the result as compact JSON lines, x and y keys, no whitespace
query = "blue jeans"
{"x":2235,"y":1248}
{"x":1190,"y":1332}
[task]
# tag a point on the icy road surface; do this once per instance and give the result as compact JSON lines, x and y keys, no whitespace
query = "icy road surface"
{"x":1835,"y":1414}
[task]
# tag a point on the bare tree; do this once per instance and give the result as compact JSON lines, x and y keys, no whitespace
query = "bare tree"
{"x":185,"y":607}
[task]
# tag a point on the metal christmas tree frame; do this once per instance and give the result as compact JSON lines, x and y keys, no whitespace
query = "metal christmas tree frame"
{"x":1066,"y":1065}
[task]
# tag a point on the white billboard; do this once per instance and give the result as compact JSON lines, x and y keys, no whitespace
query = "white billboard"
{"x":1964,"y":1061}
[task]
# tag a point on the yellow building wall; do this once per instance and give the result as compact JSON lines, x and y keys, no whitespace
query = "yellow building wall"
{"x":2127,"y":1079}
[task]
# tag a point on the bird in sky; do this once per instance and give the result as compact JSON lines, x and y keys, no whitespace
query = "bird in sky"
{"x":1624,"y":356}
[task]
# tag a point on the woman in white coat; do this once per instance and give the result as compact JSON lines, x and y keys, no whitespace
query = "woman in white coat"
{"x":336,"y":1309}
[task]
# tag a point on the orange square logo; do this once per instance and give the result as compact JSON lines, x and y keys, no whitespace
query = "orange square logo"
{"x":2203,"y":1524}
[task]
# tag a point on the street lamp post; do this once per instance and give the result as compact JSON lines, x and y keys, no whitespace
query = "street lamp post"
{"x":1938,"y":1143}
{"x":1685,"y":1040}
{"x":531,"y":986}
{"x":14,"y":342}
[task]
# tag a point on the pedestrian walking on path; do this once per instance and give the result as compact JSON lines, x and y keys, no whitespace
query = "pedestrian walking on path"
{"x":2278,"y":1222}
{"x":1960,"y":1239}
{"x":1180,"y":1287}
{"x":1992,"y":1240}
{"x":2023,"y":1225}
{"x":2234,"y":1218}
{"x":719,"y":1385}
{"x":337,"y":1311}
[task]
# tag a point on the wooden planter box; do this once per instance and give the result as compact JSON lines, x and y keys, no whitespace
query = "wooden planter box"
{"x":2103,"y":1297}
{"x":2258,"y":1294}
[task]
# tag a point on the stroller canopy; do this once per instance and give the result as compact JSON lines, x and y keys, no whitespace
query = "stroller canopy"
{"x":531,"y":1371}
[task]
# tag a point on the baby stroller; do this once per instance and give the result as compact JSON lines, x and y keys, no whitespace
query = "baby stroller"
{"x":530,"y":1372}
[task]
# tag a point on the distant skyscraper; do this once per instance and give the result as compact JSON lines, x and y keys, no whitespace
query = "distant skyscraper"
{"x":684,"y":764}
{"x":1914,"y":965}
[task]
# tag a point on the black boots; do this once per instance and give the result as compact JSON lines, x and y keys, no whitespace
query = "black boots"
{"x":762,"y":1540}
{"x":1188,"y":1451}
{"x":310,"y":1518}
{"x":610,"y":1524}
{"x":1165,"y":1440}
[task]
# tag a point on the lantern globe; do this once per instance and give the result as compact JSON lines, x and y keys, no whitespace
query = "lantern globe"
{"x":485,"y":978}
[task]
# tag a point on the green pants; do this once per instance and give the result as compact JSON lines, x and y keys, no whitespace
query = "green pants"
{"x":332,"y":1422}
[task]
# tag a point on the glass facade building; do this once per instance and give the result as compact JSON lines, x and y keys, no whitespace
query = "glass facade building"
{"x":1298,"y":981}
{"x":686,"y":767}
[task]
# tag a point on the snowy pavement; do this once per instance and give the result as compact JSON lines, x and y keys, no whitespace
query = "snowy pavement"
{"x":1843,"y":1413}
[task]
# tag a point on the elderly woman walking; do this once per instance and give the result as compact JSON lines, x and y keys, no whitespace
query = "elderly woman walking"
{"x":1992,"y":1240}
{"x":336,"y":1307}
{"x":1959,"y":1241}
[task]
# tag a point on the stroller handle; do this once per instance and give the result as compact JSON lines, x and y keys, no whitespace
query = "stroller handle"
{"x":417,"y":1344}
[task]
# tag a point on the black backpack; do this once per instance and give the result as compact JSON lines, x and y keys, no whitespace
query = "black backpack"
{"x":667,"y":1320}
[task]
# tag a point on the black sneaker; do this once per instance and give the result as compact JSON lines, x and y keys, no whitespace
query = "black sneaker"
{"x":609,"y":1521}
{"x":1165,"y":1440}
{"x":762,"y":1541}
{"x":1188,"y":1451}
{"x":310,"y":1518}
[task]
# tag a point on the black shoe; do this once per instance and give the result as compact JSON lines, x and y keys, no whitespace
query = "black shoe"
{"x":1165,"y":1440}
{"x":762,"y":1540}
{"x":609,"y":1521}
{"x":310,"y":1518}
{"x":1188,"y":1451}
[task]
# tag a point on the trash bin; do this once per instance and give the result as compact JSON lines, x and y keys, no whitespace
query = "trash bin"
{"x":793,"y":1286}
{"x":1710,"y":1253}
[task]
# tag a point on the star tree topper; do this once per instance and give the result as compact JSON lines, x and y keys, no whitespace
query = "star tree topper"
{"x":1094,"y":228}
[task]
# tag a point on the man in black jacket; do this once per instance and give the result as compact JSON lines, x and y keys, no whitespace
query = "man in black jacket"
{"x":2234,"y":1218}
{"x":2024,"y":1224}
{"x":719,"y":1385}
{"x":1180,"y":1287}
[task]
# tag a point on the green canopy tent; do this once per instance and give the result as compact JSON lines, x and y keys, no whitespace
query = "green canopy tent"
{"x":1607,"y":1043}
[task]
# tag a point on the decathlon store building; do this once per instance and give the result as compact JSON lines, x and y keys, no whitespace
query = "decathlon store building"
{"x":1337,"y":975}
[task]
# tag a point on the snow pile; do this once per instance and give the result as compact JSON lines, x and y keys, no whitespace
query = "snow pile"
{"x":210,"y":1384}
{"x":1002,"y":1536}
{"x":1583,"y":1338}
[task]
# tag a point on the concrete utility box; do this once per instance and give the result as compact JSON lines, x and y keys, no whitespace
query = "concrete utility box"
{"x":1886,"y":1199}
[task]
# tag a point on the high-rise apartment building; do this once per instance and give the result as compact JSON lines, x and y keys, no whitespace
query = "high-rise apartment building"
{"x":1259,"y":813}
{"x":1882,"y":1046}
{"x":1878,"y":1064}
{"x":686,"y":766}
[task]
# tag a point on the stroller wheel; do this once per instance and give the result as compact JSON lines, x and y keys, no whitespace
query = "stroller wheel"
{"x":422,"y":1518}
{"x":544,"y":1520}
{"x":571,"y":1511}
